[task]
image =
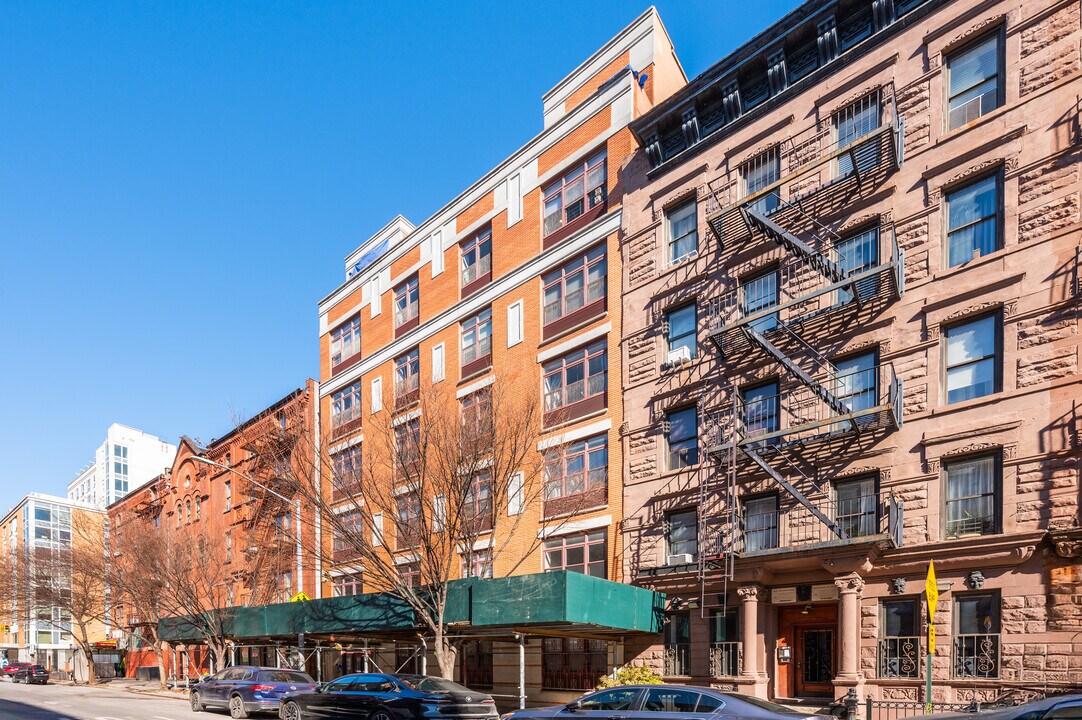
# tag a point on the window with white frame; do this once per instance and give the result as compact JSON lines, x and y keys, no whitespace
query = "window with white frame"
{"x":476,"y":332}
{"x":477,"y":257}
{"x":683,"y":232}
{"x":407,"y":373}
{"x":974,"y":81}
{"x":346,"y":340}
{"x":407,"y":302}
{"x":579,"y":190}
{"x":346,"y":405}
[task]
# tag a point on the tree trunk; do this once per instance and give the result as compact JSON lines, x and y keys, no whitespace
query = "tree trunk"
{"x":88,"y":653}
{"x":159,"y":651}
{"x":446,"y":653}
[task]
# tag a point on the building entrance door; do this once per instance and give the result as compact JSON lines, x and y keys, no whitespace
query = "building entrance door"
{"x":814,"y":660}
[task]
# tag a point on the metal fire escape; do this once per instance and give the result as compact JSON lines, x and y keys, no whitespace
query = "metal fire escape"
{"x":816,"y":285}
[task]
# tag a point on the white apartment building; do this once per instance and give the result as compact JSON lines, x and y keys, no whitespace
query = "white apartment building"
{"x":127,"y":459}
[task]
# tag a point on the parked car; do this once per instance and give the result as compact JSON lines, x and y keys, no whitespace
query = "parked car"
{"x":31,"y":675}
{"x":1051,"y":708}
{"x":643,"y":702}
{"x":11,"y":668}
{"x":245,"y":689}
{"x":376,"y":696}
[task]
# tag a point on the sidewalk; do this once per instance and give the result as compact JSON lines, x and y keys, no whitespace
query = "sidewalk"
{"x":143,"y":687}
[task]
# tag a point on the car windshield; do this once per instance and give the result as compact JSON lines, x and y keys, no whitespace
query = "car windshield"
{"x":287,"y":676}
{"x":433,"y":684}
{"x":764,"y":704}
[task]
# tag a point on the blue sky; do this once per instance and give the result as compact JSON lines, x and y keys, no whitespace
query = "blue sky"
{"x":181,"y":181}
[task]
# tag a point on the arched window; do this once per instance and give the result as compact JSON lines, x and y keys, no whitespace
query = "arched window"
{"x":187,"y":511}
{"x":198,"y":507}
{"x":178,"y":513}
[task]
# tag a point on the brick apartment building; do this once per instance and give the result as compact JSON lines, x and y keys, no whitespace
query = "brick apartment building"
{"x":224,"y":498}
{"x":508,"y":284}
{"x":850,"y":328}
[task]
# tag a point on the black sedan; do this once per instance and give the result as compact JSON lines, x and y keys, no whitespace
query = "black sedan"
{"x":650,"y":702}
{"x":376,"y":696}
{"x":31,"y":674}
{"x":1058,"y":707}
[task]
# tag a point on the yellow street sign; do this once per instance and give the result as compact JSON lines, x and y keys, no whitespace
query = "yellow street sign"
{"x":300,"y":597}
{"x":931,"y":639}
{"x":931,"y":591}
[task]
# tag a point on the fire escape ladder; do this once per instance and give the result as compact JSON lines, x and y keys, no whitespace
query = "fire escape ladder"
{"x":792,"y":490}
{"x":827,"y":267}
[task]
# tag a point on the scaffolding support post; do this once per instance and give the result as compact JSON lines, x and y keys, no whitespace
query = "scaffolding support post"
{"x":521,"y":671}
{"x":366,"y":654}
{"x":424,"y":656}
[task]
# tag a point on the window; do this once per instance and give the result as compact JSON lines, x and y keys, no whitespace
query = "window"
{"x":760,"y":409}
{"x":407,"y":302}
{"x":476,"y":334}
{"x":677,"y":633}
{"x":198,"y":508}
{"x":346,"y":585}
{"x":584,"y":553}
{"x":228,"y":490}
{"x":577,"y":664}
{"x":858,"y":507}
{"x":582,"y":188}
{"x":407,"y":375}
{"x":409,"y":520}
{"x":857,"y":385}
{"x":477,"y":664}
{"x":724,"y":643}
{"x":972,"y":351}
{"x":972,"y":502}
{"x":575,"y":377}
{"x":761,"y":523}
{"x":346,"y":405}
{"x":577,"y":284}
{"x":228,"y":547}
{"x":683,"y":437}
{"x":477,"y":508}
{"x":759,"y":173}
{"x":851,"y":123}
{"x":347,"y":535}
{"x":973,"y":81}
{"x":973,"y":220}
{"x":283,"y":525}
{"x":477,"y":258}
{"x":285,"y":586}
{"x":899,"y":638}
{"x":682,"y":329}
{"x":477,"y":564}
{"x":683,"y":533}
{"x":854,"y":255}
{"x":346,"y":341}
{"x":477,"y":418}
{"x":757,"y":293}
{"x":683,"y":232}
{"x":670,"y":700}
{"x":347,"y":470}
{"x":577,"y":467}
{"x":409,"y":574}
{"x":976,"y":635}
{"x":187,"y":511}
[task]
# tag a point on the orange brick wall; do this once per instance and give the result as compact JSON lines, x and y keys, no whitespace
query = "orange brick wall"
{"x":589,"y":87}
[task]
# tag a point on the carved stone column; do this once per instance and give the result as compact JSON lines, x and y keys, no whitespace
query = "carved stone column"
{"x":849,"y":593}
{"x":750,"y":675}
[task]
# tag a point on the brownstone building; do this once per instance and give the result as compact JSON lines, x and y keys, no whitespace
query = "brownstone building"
{"x":850,"y":348}
{"x":507,"y":284}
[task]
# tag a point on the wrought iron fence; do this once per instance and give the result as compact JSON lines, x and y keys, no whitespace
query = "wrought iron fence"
{"x":899,"y":657}
{"x":725,"y":659}
{"x":677,"y":659}
{"x":976,"y":656}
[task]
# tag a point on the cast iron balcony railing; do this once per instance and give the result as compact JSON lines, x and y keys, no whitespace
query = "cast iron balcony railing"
{"x":976,"y":655}
{"x":725,"y":659}
{"x":899,"y":657}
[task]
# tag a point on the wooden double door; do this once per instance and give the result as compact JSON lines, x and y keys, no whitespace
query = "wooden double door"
{"x":811,"y":634}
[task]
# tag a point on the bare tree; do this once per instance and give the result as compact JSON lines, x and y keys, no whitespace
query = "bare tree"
{"x":69,"y":578}
{"x":437,"y":491}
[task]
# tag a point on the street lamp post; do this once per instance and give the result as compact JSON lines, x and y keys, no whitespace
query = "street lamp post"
{"x":295,"y":502}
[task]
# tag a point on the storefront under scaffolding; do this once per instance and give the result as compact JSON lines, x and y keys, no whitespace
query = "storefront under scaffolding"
{"x":528,"y":640}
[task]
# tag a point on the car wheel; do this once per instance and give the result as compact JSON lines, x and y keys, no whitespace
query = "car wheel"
{"x":291,"y":711}
{"x":236,"y":707}
{"x":193,"y":698}
{"x":380,"y":715}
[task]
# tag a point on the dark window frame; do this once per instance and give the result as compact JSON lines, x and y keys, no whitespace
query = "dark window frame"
{"x":996,"y":34}
{"x":592,"y":197}
{"x":683,"y":451}
{"x":997,"y":217}
{"x":996,"y":493}
{"x":477,"y":247}
{"x":584,"y":540}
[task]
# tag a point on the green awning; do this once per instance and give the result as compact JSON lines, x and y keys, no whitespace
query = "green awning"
{"x":556,"y":599}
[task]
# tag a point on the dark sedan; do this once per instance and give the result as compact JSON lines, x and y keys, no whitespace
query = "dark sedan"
{"x":655,"y":702}
{"x":245,"y":689}
{"x":1051,"y":708}
{"x":31,"y":675}
{"x":375,"y":696}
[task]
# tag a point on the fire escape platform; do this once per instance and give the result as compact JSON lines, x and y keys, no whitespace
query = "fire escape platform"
{"x":874,"y":157}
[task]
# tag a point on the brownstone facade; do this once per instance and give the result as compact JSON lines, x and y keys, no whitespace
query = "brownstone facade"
{"x":851,"y":347}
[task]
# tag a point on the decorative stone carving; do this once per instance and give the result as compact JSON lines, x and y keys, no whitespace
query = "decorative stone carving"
{"x":973,"y":30}
{"x":897,"y":585}
{"x":975,"y":580}
{"x":849,"y":584}
{"x":1009,"y":164}
{"x":750,"y":593}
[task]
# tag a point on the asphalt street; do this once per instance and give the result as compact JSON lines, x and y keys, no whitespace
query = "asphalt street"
{"x":66,"y":702}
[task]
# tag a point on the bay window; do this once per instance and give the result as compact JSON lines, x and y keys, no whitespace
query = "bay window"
{"x":346,"y":341}
{"x":580,"y":376}
{"x":580,"y":190}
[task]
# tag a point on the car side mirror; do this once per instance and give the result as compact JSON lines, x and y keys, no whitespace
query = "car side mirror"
{"x":573,"y":706}
{"x":205,"y":678}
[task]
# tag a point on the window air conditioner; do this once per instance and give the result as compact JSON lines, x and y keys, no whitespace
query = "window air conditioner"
{"x":679,"y":356}
{"x":684,"y":559}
